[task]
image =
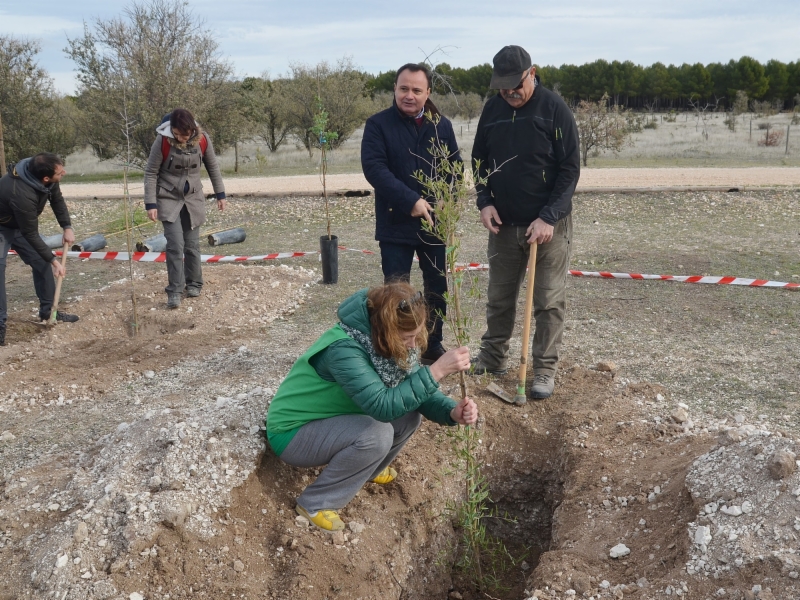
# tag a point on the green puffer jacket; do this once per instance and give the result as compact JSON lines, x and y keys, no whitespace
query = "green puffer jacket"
{"x":336,"y":377}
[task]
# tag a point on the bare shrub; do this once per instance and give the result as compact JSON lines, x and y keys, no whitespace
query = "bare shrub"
{"x":26,"y":88}
{"x":601,"y":127}
{"x":772,"y":137}
{"x":342,"y":90}
{"x":763,"y":109}
{"x":448,"y":104}
{"x":157,"y":56}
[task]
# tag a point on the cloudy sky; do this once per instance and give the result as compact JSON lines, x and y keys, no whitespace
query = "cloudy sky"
{"x":267,"y":35}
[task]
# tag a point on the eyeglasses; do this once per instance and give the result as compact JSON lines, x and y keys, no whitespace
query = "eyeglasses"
{"x":521,"y":83}
{"x":406,"y":304}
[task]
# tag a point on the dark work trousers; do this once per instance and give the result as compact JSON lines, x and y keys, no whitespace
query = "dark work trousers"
{"x":508,"y":263}
{"x":43,"y":281}
{"x":183,"y":254}
{"x":396,"y":260}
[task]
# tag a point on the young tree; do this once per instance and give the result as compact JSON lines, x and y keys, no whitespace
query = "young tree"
{"x":157,"y":56}
{"x":471,"y":106}
{"x":601,"y":127}
{"x":342,"y":90}
{"x":34,"y":117}
{"x":700,"y":113}
{"x":264,"y":107}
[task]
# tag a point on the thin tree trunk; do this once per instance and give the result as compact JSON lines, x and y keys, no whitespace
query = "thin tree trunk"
{"x":2,"y":150}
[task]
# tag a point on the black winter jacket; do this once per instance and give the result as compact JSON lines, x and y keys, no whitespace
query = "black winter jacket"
{"x":392,"y":150}
{"x":537,"y":146}
{"x":22,"y":200}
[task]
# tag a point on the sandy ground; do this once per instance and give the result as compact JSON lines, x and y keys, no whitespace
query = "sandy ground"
{"x":590,"y":179}
{"x":136,"y":466}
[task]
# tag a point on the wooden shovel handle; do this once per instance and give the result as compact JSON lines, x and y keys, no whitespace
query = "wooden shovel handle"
{"x":54,"y":310}
{"x":526,"y":328}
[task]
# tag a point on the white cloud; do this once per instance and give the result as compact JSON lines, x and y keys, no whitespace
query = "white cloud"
{"x":35,"y":25}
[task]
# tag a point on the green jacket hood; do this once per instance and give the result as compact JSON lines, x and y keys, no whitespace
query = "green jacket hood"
{"x":353,"y":312}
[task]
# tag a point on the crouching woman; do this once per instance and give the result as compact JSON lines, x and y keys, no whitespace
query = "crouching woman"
{"x":354,"y":399}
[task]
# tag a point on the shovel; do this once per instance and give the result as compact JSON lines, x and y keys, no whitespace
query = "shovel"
{"x":520,"y":398}
{"x":495,"y":389}
{"x":54,"y":312}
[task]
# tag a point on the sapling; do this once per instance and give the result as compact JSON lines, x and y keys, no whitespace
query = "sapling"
{"x":323,"y":138}
{"x":130,"y":219}
{"x":448,"y":187}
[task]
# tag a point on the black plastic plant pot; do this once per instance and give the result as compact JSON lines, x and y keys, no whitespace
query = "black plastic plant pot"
{"x":329,"y":254}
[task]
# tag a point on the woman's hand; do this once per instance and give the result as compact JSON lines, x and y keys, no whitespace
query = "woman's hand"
{"x":465,"y":412}
{"x":452,"y":361}
{"x":152,"y":214}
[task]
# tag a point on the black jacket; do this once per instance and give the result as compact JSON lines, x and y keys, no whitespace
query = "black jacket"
{"x":22,"y":200}
{"x":392,"y":150}
{"x":536,"y":150}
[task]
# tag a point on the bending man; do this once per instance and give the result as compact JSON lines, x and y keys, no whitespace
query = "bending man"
{"x":24,"y":191}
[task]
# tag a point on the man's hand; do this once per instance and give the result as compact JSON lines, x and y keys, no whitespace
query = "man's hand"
{"x":489,"y":214}
{"x":221,"y":204}
{"x":152,"y":214}
{"x":68,"y":237}
{"x":58,"y":269}
{"x":539,"y":232}
{"x":422,"y":209}
{"x":465,"y":412}
{"x":452,"y":361}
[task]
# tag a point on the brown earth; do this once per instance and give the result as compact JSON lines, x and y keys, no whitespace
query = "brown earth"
{"x":95,"y":415}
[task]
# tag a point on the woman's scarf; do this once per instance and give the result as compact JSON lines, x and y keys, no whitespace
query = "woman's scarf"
{"x":387,"y":369}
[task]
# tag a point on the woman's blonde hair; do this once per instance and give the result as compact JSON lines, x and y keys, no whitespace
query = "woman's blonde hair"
{"x":394,"y":309}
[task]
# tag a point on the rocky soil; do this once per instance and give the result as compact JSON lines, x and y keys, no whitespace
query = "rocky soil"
{"x":135,"y":467}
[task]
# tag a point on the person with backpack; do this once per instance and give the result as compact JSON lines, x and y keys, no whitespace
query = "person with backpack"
{"x":174,"y":195}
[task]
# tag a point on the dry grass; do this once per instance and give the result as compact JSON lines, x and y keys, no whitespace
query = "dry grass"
{"x":682,"y":144}
{"x":678,"y":144}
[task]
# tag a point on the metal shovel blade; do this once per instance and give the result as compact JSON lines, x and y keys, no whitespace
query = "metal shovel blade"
{"x":495,"y":389}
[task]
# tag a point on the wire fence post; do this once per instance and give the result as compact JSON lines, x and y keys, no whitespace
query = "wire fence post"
{"x":787,"y":138}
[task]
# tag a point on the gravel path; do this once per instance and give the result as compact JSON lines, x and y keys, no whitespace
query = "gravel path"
{"x":590,"y":178}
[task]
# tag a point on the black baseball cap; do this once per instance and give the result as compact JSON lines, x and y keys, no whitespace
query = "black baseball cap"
{"x":509,"y":65}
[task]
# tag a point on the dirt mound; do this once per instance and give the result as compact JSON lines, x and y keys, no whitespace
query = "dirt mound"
{"x":186,"y":501}
{"x":137,"y":465}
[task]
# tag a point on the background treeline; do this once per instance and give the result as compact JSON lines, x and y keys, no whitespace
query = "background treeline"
{"x":638,"y":87}
{"x":134,"y":68}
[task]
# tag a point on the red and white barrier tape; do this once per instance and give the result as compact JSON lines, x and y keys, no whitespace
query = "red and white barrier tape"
{"x":690,"y":279}
{"x":161,"y":257}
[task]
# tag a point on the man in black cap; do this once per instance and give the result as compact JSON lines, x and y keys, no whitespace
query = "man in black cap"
{"x":531,"y":132}
{"x":24,"y":191}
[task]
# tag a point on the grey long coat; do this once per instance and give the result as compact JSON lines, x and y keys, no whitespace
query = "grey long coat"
{"x":165,"y":180}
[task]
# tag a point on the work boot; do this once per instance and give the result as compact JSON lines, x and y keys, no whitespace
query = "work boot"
{"x":173,"y":300}
{"x":192,"y":291}
{"x":61,"y":316}
{"x":543,"y":386}
{"x":477,"y":367}
{"x":327,"y":520}
{"x":2,"y":335}
{"x":388,"y":475}
{"x":432,"y":354}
